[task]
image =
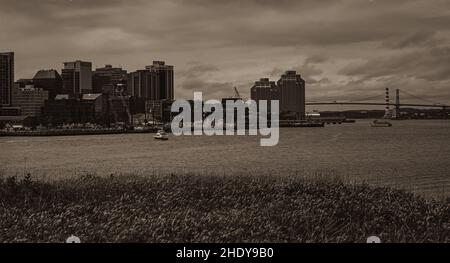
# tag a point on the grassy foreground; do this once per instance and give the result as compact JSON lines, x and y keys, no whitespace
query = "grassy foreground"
{"x":192,"y":208}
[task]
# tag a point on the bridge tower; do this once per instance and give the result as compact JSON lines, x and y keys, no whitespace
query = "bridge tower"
{"x":445,"y":112}
{"x":396,"y":113}
{"x":387,"y":112}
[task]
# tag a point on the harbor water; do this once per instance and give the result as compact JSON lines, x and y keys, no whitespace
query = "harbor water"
{"x":411,"y":155}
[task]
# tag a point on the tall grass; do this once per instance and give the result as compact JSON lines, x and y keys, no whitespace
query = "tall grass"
{"x":214,"y":208}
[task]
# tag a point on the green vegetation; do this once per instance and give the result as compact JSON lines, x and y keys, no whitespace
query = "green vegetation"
{"x":192,"y":208}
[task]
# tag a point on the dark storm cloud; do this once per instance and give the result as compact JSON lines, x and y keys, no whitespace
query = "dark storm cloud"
{"x":331,"y":43}
{"x":272,"y":4}
{"x":253,"y":22}
{"x":429,"y":64}
{"x":198,"y":69}
{"x":37,"y":17}
{"x":321,"y":81}
{"x":289,"y":23}
{"x":416,"y":39}
{"x":262,"y":23}
{"x":316,"y":59}
{"x":210,"y":89}
{"x":308,"y":70}
{"x":58,"y":10}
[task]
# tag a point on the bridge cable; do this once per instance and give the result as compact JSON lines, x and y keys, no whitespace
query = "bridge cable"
{"x":366,"y":99}
{"x":422,"y":99}
{"x":344,"y":101}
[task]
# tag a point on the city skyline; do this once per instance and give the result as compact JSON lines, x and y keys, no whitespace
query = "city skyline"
{"x":104,"y":80}
{"x":341,"y":48}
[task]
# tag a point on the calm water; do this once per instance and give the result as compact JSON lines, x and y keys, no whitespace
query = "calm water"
{"x":414,"y":155}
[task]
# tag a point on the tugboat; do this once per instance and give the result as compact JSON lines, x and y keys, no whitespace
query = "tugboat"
{"x":378,"y":123}
{"x":161,"y":135}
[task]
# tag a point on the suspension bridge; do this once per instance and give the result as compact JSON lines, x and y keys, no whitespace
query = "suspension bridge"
{"x":369,"y":101}
{"x":426,"y":103}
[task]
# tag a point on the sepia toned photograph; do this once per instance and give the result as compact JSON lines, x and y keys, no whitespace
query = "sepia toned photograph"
{"x":230,"y":122}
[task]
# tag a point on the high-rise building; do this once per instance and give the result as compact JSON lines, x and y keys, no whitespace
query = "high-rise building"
{"x":143,"y":84}
{"x":77,"y":77}
{"x":105,"y":80}
{"x":292,"y":88}
{"x":264,"y":89}
{"x":155,"y":82}
{"x":48,"y":80}
{"x":6,"y":77}
{"x":165,"y":79}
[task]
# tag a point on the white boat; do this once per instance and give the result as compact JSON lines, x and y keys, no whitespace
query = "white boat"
{"x":378,"y":123}
{"x":161,"y":135}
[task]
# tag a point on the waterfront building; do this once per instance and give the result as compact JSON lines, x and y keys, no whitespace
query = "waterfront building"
{"x":289,"y":90}
{"x":49,"y":80}
{"x":29,"y":99}
{"x":143,"y":84}
{"x":22,"y":83}
{"x":119,"y":109}
{"x":264,"y":89}
{"x":106,"y":79}
{"x":77,"y":77}
{"x":95,"y":102}
{"x":292,"y":88}
{"x":10,"y":111}
{"x":62,"y":109}
{"x":158,"y":110}
{"x":155,"y":82}
{"x":65,"y":109}
{"x":6,"y":77}
{"x":136,"y":105}
{"x":165,"y":79}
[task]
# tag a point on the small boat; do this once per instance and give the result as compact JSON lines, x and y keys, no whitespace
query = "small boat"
{"x":161,"y":135}
{"x":378,"y":123}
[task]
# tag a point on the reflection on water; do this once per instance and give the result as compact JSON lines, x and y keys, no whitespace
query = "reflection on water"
{"x":414,"y":155}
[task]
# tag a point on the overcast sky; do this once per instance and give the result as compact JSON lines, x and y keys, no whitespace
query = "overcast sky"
{"x":344,"y":49}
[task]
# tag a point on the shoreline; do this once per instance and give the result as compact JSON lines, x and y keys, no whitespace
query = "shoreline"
{"x":74,"y":132}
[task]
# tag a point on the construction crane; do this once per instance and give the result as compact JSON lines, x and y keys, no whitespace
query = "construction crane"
{"x":120,"y":91}
{"x":237,"y":95}
{"x":236,"y":92}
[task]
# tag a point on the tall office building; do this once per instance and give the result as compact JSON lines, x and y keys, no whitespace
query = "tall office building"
{"x":105,"y":80}
{"x":77,"y":77}
{"x":49,"y":80}
{"x":6,"y":77}
{"x":143,"y":84}
{"x":165,"y":79}
{"x":292,"y":88}
{"x":264,"y":89}
{"x":155,"y":82}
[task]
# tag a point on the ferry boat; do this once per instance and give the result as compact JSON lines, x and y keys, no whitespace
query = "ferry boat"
{"x":161,"y":135}
{"x":378,"y":123}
